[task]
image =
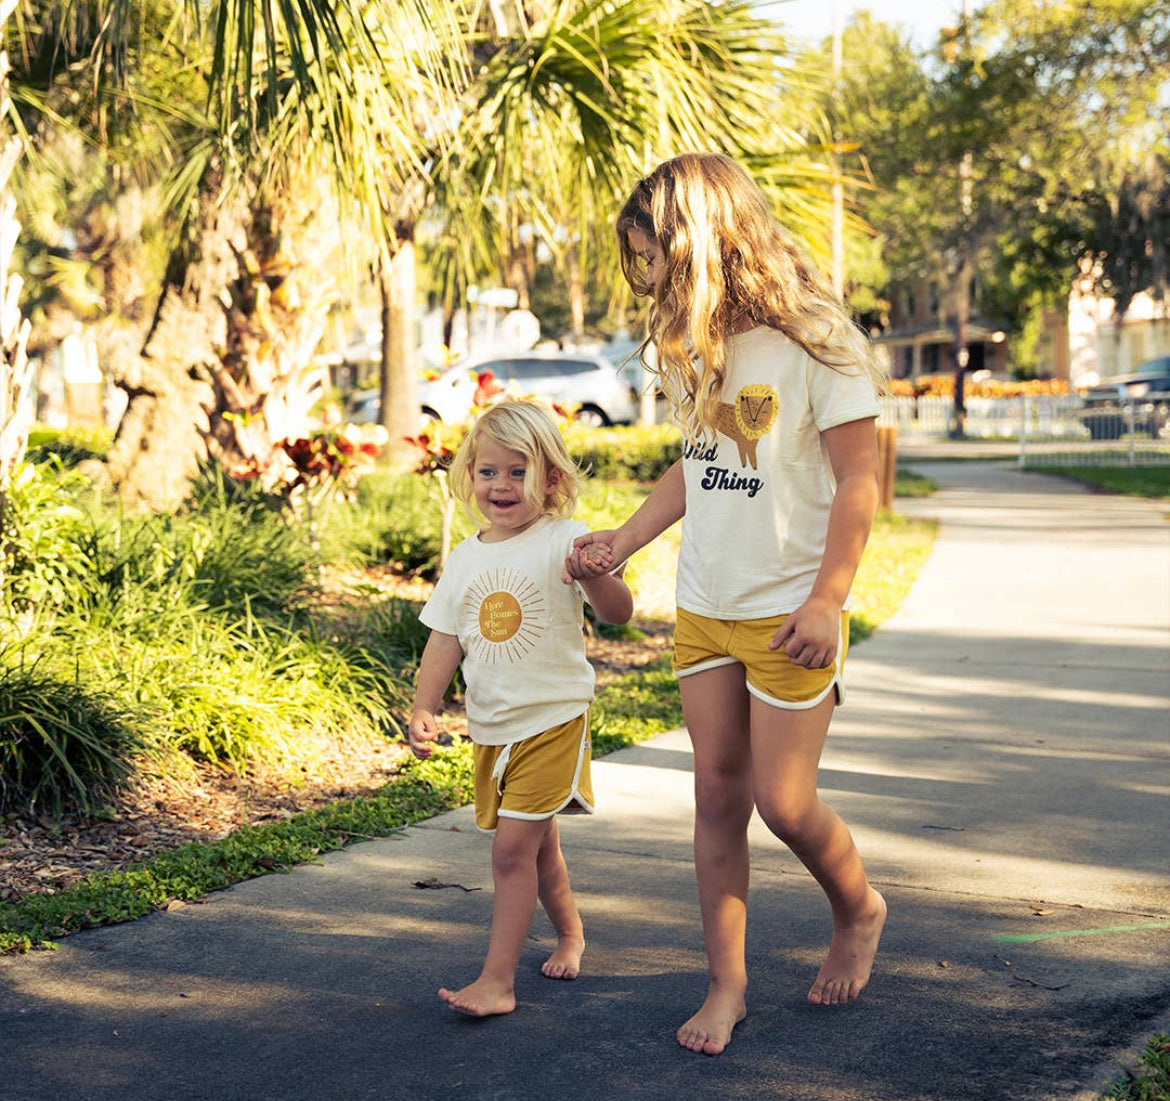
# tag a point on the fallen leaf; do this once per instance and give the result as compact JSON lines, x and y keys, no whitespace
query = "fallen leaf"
{"x":943,"y":963}
{"x":433,"y":884}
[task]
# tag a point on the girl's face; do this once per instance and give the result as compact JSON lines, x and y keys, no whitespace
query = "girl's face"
{"x":497,"y":480}
{"x":648,"y":248}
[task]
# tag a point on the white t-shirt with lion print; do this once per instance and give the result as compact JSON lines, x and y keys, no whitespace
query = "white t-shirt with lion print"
{"x":758,"y":495}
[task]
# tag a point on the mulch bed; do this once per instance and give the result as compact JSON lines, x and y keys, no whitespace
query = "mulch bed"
{"x":40,"y":855}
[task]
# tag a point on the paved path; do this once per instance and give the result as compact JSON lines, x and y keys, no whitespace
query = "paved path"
{"x":1003,"y":759}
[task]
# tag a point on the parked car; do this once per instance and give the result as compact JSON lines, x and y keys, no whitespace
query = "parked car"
{"x":1107,"y":407}
{"x":579,"y":381}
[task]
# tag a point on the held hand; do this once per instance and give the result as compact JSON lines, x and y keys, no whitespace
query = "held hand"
{"x":809,"y":635}
{"x":423,"y":731}
{"x":589,"y":562}
{"x":592,"y":555}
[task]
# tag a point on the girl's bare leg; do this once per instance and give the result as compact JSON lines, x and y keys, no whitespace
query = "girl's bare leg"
{"x":557,"y":899}
{"x":514,"y":862}
{"x":715,"y":708}
{"x":786,"y":753}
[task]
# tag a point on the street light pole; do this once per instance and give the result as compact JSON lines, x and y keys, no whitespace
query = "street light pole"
{"x":964,"y":274}
{"x":838,"y":227}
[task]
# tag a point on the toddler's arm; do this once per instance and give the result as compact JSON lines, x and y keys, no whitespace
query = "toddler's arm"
{"x":610,"y":596}
{"x":440,"y":659}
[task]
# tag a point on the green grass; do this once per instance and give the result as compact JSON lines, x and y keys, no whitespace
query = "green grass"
{"x":1150,"y":1079}
{"x":908,"y":483}
{"x":1134,"y":481}
{"x":898,"y":549}
{"x":421,"y":790}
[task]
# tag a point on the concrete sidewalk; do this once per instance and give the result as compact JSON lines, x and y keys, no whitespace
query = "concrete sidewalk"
{"x":1003,"y":760}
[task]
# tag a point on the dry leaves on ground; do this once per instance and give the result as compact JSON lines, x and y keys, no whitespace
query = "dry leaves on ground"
{"x":40,"y":855}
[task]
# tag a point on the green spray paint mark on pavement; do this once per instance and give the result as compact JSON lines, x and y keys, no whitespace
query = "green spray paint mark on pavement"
{"x":1029,"y":938}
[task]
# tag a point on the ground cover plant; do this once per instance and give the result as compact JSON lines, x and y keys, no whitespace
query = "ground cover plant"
{"x":1150,"y":1079}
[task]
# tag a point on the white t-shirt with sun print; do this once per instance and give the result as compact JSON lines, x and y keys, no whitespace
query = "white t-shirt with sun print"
{"x":519,"y":626}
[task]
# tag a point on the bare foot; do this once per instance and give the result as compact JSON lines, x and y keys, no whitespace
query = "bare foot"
{"x":482,"y":998}
{"x":565,"y":962}
{"x":845,"y":972}
{"x":709,"y":1030}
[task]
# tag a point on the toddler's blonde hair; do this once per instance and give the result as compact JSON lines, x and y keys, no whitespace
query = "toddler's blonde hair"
{"x":726,"y":260}
{"x":552,"y":481}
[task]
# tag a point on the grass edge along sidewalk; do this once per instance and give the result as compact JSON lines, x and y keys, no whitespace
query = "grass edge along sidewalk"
{"x":636,"y":707}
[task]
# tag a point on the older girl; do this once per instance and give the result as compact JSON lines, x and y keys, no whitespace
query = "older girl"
{"x":775,"y":391}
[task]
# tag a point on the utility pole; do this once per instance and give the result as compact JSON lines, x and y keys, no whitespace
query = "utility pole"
{"x":964,"y":273}
{"x":838,"y":187}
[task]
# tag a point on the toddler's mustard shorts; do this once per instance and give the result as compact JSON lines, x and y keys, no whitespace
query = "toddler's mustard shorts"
{"x":701,"y":643}
{"x":535,"y":778}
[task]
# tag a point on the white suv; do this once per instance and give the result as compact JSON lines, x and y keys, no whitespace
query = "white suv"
{"x":584,"y":384}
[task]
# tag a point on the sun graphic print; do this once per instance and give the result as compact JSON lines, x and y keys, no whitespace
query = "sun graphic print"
{"x":508,"y":614}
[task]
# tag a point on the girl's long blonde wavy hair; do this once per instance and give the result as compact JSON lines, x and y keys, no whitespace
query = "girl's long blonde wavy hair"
{"x":727,"y":261}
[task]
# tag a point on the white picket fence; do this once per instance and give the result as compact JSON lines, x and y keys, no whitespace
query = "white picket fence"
{"x":1047,"y":427}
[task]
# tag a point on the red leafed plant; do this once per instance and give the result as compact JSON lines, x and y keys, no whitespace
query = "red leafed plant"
{"x":435,"y":464}
{"x":329,"y":464}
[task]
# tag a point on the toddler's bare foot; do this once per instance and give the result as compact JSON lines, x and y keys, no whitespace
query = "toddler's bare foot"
{"x":709,"y":1030}
{"x":482,"y":998}
{"x":565,"y":962}
{"x":845,"y":972}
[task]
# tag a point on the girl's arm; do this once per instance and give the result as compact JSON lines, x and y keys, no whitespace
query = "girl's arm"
{"x":809,"y":635}
{"x":610,"y":596}
{"x":665,"y":506}
{"x":441,"y":657}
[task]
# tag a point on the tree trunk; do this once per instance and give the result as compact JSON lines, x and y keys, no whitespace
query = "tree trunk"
{"x":576,"y":290}
{"x":267,"y":383}
{"x":160,"y":440}
{"x":227,"y":369}
{"x":397,"y":286}
{"x":16,"y":409}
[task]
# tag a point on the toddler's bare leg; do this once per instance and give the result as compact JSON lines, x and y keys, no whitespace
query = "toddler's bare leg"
{"x":786,"y":751}
{"x":715,"y":707}
{"x":514,"y":853}
{"x":557,"y":899}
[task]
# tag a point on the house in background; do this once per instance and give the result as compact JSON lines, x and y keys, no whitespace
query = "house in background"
{"x":922,"y":335}
{"x":1084,"y":342}
{"x":1087,"y":343}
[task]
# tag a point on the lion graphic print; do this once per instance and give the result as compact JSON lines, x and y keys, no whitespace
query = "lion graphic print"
{"x":750,"y":417}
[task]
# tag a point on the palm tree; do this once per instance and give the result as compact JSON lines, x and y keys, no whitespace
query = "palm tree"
{"x":330,"y":86}
{"x":575,"y":99}
{"x":15,"y":372}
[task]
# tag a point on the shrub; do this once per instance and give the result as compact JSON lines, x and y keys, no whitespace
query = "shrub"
{"x":642,"y":454}
{"x":62,"y":742}
{"x":68,"y":446}
{"x":395,"y":519}
{"x":43,"y":534}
